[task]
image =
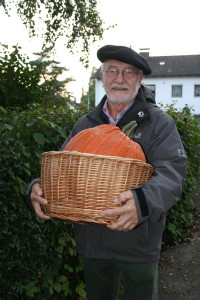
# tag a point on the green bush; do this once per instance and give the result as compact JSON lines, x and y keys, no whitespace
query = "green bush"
{"x":181,"y":217}
{"x":38,"y":259}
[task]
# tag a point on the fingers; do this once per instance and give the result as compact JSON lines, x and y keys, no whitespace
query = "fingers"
{"x":36,"y":195}
{"x":122,"y":224}
{"x":39,"y":211}
{"x":113,"y":212}
{"x":128,"y":216}
{"x":37,"y":200}
{"x":123,"y":197}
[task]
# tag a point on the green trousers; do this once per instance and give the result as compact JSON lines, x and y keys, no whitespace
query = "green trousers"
{"x":103,"y":278}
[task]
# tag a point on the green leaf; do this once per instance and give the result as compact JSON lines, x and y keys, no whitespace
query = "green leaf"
{"x":53,"y":125}
{"x":62,"y":132}
{"x":38,"y":153}
{"x":51,"y":290}
{"x":57,"y":287}
{"x":62,"y":241}
{"x":2,"y":109}
{"x":39,"y":138}
{"x":65,"y":288}
{"x":68,"y":268}
{"x":80,"y":289}
{"x":31,"y":289}
{"x":27,"y":171}
{"x":62,"y":278}
{"x":26,"y":153}
{"x":18,"y":179}
{"x":27,"y":165}
{"x":5,"y":126}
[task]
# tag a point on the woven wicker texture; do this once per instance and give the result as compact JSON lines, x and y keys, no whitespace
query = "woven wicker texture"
{"x":78,"y":186}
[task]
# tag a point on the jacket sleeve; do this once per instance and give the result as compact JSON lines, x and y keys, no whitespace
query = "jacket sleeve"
{"x":28,"y":192}
{"x":166,"y":154}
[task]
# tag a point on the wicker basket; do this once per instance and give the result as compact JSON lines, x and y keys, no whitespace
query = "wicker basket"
{"x":78,"y":186}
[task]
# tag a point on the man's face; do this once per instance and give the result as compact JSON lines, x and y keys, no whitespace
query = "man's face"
{"x":120,"y":81}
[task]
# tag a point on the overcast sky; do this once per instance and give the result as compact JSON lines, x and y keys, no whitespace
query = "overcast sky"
{"x":166,"y":27}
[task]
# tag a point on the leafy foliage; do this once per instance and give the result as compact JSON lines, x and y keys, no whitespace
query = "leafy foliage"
{"x":76,"y":20}
{"x":180,"y":218}
{"x":19,"y":82}
{"x":37,"y":259}
{"x":23,"y":82}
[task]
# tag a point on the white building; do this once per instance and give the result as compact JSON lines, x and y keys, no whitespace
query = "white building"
{"x":173,"y":78}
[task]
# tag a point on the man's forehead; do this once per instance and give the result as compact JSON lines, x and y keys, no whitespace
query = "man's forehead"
{"x":117,"y":63}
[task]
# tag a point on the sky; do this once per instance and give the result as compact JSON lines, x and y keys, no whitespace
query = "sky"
{"x":165,"y":27}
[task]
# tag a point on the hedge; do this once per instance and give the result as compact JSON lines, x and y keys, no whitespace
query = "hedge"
{"x":38,"y":259}
{"x":181,"y":217}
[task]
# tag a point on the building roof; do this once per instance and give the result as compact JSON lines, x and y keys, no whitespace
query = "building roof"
{"x":170,"y":66}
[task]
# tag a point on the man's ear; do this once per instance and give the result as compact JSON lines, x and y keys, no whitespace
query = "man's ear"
{"x":140,"y":80}
{"x":101,"y":74}
{"x":102,"y":78}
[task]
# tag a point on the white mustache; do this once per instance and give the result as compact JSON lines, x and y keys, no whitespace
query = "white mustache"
{"x":119,"y":86}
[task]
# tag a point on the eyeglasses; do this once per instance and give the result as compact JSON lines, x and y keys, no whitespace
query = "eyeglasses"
{"x":127,"y":73}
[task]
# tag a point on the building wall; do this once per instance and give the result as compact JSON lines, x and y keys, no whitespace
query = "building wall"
{"x":99,"y":91}
{"x":163,"y":93}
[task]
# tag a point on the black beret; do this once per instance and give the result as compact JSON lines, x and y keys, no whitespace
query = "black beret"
{"x":124,"y":54}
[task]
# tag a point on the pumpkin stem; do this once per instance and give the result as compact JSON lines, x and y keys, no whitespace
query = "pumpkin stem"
{"x":129,"y":128}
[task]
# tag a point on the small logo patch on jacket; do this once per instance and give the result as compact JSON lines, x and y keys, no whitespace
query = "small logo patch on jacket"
{"x":141,"y":114}
{"x":138,"y":135}
{"x":181,"y":152}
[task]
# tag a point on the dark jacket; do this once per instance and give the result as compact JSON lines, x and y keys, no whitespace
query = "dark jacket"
{"x":160,"y":141}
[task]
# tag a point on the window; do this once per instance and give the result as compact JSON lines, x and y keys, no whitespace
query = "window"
{"x":176,"y":90}
{"x":152,"y":88}
{"x":197,"y":90}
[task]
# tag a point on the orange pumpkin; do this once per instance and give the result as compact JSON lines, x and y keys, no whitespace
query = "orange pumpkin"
{"x":107,"y":139}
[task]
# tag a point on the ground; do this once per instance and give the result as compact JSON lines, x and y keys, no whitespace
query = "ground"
{"x":179,"y":268}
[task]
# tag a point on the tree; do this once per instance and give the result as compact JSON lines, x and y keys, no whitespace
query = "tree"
{"x":76,"y":20}
{"x":55,"y":89}
{"x":19,"y":82}
{"x":23,"y":82}
{"x":89,"y":97}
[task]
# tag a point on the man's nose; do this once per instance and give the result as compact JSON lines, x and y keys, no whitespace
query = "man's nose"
{"x":120,"y":77}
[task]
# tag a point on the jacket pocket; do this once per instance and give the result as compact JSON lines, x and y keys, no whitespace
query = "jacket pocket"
{"x":141,"y":234}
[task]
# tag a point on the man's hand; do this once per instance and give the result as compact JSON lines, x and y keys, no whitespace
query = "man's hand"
{"x":128,"y":216}
{"x":37,"y":200}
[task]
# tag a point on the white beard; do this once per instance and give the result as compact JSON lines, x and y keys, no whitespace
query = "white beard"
{"x":122,"y":97}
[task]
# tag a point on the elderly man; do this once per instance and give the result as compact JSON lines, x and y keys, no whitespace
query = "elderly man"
{"x":130,"y":248}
